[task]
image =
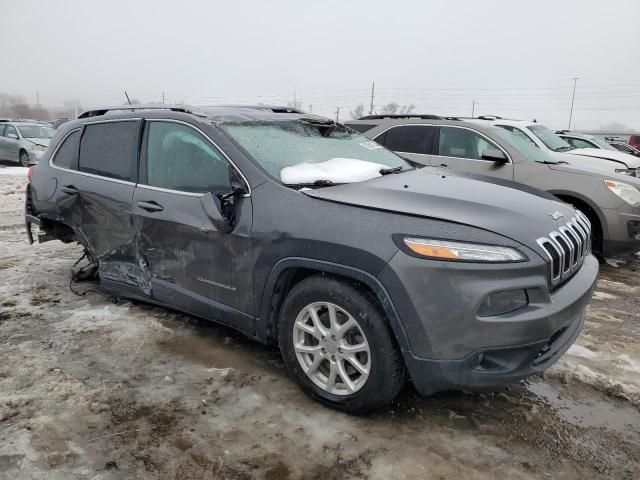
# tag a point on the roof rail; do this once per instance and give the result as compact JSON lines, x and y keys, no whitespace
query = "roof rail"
{"x":560,"y":132}
{"x":402,"y":115}
{"x":489,"y":117}
{"x":96,"y":112}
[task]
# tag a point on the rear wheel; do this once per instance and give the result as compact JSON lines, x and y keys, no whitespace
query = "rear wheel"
{"x":338,"y":345}
{"x":24,"y":158}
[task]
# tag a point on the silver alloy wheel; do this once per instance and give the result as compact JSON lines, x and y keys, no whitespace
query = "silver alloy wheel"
{"x":24,"y":159}
{"x":331,"y":348}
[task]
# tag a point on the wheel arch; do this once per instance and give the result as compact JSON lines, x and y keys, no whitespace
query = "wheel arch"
{"x":577,"y":199}
{"x":290,"y":271}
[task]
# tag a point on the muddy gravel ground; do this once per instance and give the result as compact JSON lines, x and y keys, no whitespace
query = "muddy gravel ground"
{"x":93,"y":389}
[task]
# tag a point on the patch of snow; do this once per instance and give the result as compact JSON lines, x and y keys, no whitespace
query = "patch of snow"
{"x":336,"y":170}
{"x":17,"y":171}
{"x":603,"y":296}
{"x":615,"y":262}
{"x":580,"y":351}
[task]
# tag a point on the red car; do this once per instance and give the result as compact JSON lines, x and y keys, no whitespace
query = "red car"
{"x":634,"y":141}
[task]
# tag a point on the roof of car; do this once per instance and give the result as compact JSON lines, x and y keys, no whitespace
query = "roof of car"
{"x":454,"y":121}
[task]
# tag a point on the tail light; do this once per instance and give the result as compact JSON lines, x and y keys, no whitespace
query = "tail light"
{"x":30,"y":172}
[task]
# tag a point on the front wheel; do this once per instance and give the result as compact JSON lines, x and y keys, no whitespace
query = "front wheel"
{"x":339,"y":346}
{"x":24,"y":158}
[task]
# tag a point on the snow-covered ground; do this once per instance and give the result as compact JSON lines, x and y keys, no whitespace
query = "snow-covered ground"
{"x":91,"y":389}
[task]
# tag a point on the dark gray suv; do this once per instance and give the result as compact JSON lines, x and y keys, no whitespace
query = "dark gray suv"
{"x":296,"y":230}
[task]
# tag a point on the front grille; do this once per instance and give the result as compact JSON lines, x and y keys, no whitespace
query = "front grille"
{"x":567,"y":247}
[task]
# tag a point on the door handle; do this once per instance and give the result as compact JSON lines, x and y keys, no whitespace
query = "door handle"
{"x":150,"y":206}
{"x":69,"y":190}
{"x":444,"y":165}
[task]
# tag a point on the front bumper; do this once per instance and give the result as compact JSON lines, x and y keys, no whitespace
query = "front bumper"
{"x":462,"y":351}
{"x":622,"y":236}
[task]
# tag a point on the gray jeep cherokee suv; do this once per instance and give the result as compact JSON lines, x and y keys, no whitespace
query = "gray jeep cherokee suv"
{"x":360,"y":267}
{"x":611,"y":201}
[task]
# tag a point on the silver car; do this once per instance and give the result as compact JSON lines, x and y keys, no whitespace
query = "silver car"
{"x":23,"y":142}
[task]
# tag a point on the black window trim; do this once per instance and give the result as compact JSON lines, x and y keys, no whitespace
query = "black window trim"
{"x":86,"y":174}
{"x":408,"y":125}
{"x":143,"y":158}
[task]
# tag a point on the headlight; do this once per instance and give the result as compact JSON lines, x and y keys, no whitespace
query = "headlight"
{"x":38,"y":148}
{"x":626,"y":192}
{"x":462,"y":251}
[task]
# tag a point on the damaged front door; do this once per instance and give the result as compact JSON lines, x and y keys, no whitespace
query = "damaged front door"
{"x":193,"y":258}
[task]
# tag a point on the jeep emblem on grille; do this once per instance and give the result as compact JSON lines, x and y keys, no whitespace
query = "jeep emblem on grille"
{"x":556,"y":215}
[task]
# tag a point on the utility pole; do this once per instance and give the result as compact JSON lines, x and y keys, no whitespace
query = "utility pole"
{"x":163,"y":98}
{"x":310,"y":108}
{"x":38,"y":98}
{"x":373,"y":90}
{"x":473,"y":108}
{"x":338,"y":115}
{"x":575,"y":80}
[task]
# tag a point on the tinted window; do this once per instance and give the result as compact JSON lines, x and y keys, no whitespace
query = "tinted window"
{"x":408,"y":139}
{"x":2,"y":130}
{"x":179,"y":158}
{"x":67,"y":154}
{"x":460,"y":142}
{"x":109,"y":149}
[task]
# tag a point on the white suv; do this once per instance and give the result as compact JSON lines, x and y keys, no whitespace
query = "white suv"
{"x":548,"y":141}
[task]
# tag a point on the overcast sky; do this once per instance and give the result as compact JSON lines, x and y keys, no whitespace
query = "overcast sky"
{"x":514,"y":58}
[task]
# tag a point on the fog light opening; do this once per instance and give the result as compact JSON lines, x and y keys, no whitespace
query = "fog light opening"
{"x":500,"y":303}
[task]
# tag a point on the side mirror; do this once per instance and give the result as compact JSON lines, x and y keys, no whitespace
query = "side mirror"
{"x":494,"y":155}
{"x":12,"y":135}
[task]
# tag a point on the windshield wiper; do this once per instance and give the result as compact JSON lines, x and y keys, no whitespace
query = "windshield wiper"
{"x":399,"y":169}
{"x":317,"y":183}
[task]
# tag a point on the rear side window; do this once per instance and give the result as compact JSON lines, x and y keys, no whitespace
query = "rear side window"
{"x":110,"y":150}
{"x":408,"y":139}
{"x":179,"y":158}
{"x":67,"y":154}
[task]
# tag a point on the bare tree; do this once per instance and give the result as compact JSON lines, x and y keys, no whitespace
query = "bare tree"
{"x":357,"y":112}
{"x":394,"y":108}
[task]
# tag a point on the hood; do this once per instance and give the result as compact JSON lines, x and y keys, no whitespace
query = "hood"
{"x":39,"y":141}
{"x":589,"y":163}
{"x":507,"y":208}
{"x":624,"y":158}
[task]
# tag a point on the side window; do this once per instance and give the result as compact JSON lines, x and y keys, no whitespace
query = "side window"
{"x":519,"y":133}
{"x":578,"y":142}
{"x":67,"y":154}
{"x":110,"y":149}
{"x":408,"y":139}
{"x":2,"y":130}
{"x":179,"y":158}
{"x":463,"y":143}
{"x":10,"y":129}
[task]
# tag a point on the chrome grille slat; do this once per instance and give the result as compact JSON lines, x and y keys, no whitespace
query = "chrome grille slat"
{"x":567,"y":247}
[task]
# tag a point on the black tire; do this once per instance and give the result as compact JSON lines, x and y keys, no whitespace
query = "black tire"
{"x":24,"y":158}
{"x":387,"y":372}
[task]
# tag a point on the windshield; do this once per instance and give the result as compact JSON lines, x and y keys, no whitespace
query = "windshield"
{"x":36,"y":131}
{"x":549,"y":138}
{"x":602,"y":144}
{"x":524,"y":146}
{"x":283,"y":145}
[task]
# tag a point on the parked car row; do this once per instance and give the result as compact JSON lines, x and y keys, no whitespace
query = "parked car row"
{"x":23,"y":142}
{"x":446,"y":263}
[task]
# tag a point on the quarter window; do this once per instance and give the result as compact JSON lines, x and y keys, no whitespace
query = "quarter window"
{"x":179,"y":158}
{"x":110,"y":149}
{"x":463,"y":143}
{"x":408,"y":139}
{"x":67,"y":154}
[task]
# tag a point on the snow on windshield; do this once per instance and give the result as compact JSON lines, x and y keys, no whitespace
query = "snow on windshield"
{"x":279,"y":145}
{"x":336,"y":170}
